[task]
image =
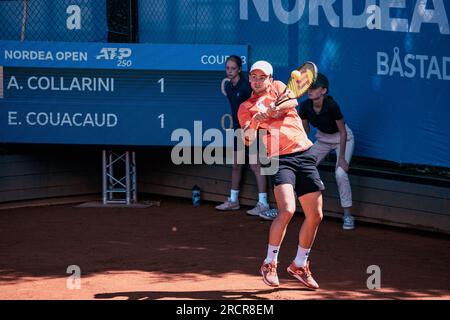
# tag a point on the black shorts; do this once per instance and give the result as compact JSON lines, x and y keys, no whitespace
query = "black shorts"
{"x":299,"y":169}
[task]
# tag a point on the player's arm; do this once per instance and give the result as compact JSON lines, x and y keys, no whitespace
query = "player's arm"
{"x":248,"y":124}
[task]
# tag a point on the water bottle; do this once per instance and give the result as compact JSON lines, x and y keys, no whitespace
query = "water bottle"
{"x":196,"y":196}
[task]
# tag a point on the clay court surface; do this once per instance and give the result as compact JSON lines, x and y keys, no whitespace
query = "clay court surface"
{"x":177,"y":251}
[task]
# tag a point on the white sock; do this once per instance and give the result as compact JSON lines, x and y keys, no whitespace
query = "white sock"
{"x":302,"y":256}
{"x":234,"y":195}
{"x":263,"y":198}
{"x":272,"y":254}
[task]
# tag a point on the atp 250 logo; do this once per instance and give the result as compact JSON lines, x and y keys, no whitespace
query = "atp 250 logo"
{"x":122,"y":56}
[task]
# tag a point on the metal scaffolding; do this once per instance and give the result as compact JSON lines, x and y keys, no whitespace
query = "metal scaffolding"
{"x":119,"y":177}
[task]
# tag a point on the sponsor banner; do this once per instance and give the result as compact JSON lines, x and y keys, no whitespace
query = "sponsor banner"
{"x":118,"y":56}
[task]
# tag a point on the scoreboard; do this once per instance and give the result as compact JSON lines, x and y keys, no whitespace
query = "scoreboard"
{"x":112,"y":94}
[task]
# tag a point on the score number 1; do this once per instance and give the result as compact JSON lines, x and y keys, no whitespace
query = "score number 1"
{"x":161,"y":116}
{"x":161,"y":81}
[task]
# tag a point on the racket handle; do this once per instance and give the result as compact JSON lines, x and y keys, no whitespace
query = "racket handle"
{"x":277,"y":103}
{"x":283,"y":98}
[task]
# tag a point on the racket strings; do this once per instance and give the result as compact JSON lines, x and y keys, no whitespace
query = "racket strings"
{"x":298,"y":84}
{"x":297,"y":87}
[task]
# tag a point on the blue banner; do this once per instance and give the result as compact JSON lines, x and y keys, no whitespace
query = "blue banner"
{"x":92,"y":100}
{"x":118,"y":56}
{"x":388,"y":62}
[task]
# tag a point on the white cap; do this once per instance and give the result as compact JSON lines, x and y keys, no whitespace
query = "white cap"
{"x":264,"y":66}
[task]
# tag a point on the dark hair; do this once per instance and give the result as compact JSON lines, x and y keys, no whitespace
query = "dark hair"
{"x":236,"y":59}
{"x":321,"y":81}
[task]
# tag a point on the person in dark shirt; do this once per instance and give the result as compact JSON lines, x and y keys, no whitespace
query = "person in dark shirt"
{"x":238,"y":90}
{"x":333,"y":134}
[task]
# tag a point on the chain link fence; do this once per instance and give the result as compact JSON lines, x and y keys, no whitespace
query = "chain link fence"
{"x":55,"y":20}
{"x":213,"y":22}
{"x":189,"y":21}
{"x":146,"y":21}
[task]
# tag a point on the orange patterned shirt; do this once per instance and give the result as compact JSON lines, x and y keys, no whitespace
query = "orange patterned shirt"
{"x":287,"y":130}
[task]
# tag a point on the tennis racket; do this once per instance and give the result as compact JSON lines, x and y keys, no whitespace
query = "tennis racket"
{"x":300,"y":81}
{"x":298,"y":84}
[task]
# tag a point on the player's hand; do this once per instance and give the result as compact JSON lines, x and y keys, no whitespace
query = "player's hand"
{"x":261,"y":116}
{"x":274,"y":111}
{"x":285,"y":95}
{"x":277,"y":114}
{"x":288,"y":93}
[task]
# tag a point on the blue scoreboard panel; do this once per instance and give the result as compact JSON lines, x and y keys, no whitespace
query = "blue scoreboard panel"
{"x":112,"y":94}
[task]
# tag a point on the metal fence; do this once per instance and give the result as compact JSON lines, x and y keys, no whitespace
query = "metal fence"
{"x":145,"y":21}
{"x":212,"y":22}
{"x":57,"y":20}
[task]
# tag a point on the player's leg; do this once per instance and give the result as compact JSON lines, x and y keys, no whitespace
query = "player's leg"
{"x":309,"y":188}
{"x":312,"y":208}
{"x":299,"y":268}
{"x":285,"y":197}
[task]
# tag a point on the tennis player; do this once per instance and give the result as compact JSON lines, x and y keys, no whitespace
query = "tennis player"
{"x":297,"y":175}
